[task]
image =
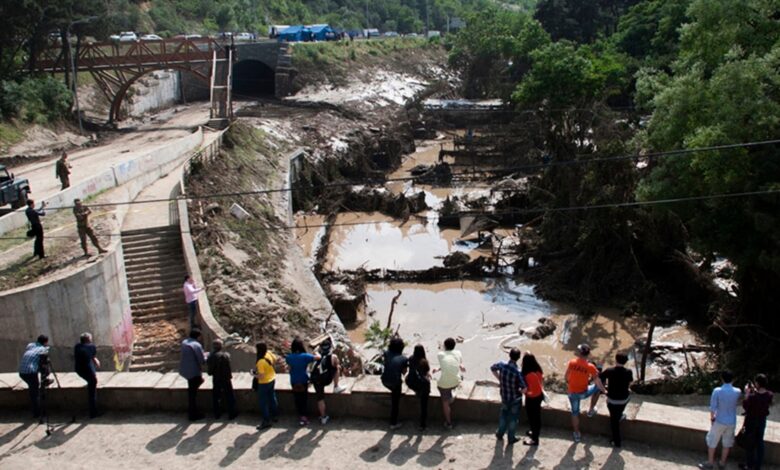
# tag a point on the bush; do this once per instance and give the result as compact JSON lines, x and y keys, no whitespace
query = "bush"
{"x":36,"y":100}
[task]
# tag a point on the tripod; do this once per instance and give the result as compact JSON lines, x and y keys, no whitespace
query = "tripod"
{"x":46,"y":369}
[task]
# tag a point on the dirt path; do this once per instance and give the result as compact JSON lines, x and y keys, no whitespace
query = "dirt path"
{"x":94,"y":160}
{"x":167,"y":441}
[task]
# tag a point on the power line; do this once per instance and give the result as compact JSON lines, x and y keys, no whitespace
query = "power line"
{"x":369,"y":182}
{"x":508,"y":212}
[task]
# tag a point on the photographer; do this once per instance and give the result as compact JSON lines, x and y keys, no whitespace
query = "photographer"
{"x":30,"y":366}
{"x":756,"y":404}
{"x":87,"y":364}
{"x":36,"y":228}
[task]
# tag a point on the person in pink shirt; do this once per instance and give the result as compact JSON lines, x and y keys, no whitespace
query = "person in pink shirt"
{"x":191,"y":292}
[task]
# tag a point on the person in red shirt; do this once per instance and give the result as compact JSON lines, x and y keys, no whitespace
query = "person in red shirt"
{"x":579,"y":375}
{"x":534,"y":379}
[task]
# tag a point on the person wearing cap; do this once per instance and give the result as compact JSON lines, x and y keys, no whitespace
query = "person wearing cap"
{"x":325,"y":371}
{"x":85,"y":230}
{"x":579,"y":374}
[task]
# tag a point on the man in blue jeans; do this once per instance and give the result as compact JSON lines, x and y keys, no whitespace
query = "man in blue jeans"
{"x":512,"y":389}
{"x":579,"y":374}
{"x":29,"y":368}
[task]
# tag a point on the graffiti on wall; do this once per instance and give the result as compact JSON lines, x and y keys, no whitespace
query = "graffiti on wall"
{"x":122,"y":341}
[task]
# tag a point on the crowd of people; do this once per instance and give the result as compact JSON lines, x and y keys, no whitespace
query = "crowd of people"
{"x":520,"y":379}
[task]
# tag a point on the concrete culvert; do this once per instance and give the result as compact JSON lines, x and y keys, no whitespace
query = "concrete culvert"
{"x":253,"y":78}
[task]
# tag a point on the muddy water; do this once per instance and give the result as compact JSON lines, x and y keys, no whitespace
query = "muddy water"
{"x":487,"y":315}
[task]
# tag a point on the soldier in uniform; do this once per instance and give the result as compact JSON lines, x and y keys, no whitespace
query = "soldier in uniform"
{"x":63,"y":171}
{"x":82,"y":223}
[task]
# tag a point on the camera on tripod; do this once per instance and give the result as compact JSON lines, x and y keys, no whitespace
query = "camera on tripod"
{"x":45,"y":369}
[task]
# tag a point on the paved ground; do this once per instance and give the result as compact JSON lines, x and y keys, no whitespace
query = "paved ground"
{"x":167,"y":441}
{"x":91,"y":161}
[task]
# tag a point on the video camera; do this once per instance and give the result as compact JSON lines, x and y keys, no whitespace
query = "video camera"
{"x":45,"y":369}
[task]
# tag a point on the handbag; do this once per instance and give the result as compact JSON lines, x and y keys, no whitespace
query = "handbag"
{"x":30,"y":233}
{"x":742,"y":439}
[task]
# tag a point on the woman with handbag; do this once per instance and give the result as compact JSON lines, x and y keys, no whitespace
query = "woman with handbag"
{"x":756,"y":404}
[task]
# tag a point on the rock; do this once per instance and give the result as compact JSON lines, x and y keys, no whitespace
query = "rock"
{"x":456,"y":259}
{"x":545,"y":328}
{"x":212,"y":209}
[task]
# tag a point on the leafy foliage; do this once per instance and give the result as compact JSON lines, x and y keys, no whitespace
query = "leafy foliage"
{"x":38,"y":100}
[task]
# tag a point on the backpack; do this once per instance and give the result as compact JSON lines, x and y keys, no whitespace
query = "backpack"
{"x":323,"y":371}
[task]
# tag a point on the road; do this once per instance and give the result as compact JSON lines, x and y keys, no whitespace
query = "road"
{"x":94,"y":160}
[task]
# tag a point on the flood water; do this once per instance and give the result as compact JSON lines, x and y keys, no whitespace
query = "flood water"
{"x":483,"y":315}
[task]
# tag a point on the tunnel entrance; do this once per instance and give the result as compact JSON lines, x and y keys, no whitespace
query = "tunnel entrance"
{"x":252,"y":78}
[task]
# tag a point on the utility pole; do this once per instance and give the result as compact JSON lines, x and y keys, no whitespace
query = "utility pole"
{"x":73,"y":67}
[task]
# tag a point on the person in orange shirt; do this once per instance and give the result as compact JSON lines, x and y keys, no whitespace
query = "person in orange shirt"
{"x":579,"y":374}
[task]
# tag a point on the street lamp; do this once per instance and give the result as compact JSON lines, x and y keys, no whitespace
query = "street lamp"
{"x":73,"y":65}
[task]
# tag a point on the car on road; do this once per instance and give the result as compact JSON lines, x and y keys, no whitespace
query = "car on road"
{"x":188,"y":36}
{"x":151,"y":37}
{"x":127,"y":36}
{"x":13,"y":190}
{"x":243,"y":37}
{"x":390,"y":34}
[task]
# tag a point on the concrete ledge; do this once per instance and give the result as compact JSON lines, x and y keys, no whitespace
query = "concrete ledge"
{"x":367,"y":398}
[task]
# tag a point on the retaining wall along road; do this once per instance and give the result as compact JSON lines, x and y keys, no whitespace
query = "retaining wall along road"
{"x":95,"y":297}
{"x":113,"y":177}
{"x":366,"y":398}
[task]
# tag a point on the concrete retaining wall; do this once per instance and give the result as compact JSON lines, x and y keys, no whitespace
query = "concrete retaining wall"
{"x":95,"y":298}
{"x":243,"y":355}
{"x":115,"y":176}
{"x":365,"y":397}
{"x":155,"y":91}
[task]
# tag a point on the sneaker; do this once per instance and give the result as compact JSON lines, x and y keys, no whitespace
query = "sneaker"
{"x":339,"y":389}
{"x":623,"y":417}
{"x":614,"y":444}
{"x":530,"y":442}
{"x":396,"y":426}
{"x":512,"y":440}
{"x":448,"y":426}
{"x":592,"y":413}
{"x":324,"y":419}
{"x":529,"y":433}
{"x":500,"y":437}
{"x":303,"y":421}
{"x":706,"y":466}
{"x":577,"y":437}
{"x":264,"y":425}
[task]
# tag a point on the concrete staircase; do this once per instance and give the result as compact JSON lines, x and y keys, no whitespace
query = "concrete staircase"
{"x":155,"y":272}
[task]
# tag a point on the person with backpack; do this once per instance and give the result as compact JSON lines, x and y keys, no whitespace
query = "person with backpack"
{"x":534,"y":395}
{"x":265,"y":385}
{"x":419,"y":380}
{"x":298,"y":361}
{"x":396,"y":365}
{"x":326,"y":371}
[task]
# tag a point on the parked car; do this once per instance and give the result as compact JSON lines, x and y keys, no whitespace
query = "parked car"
{"x":243,"y":37}
{"x":188,"y":36}
{"x":371,"y":33}
{"x":128,"y":36}
{"x":434,"y":34}
{"x":151,"y":37}
{"x":412,"y":35}
{"x":13,"y":190}
{"x":390,"y":34}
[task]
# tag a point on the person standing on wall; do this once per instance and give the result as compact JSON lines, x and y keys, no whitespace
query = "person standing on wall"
{"x":450,"y":365}
{"x":534,"y":379}
{"x":29,"y":367}
{"x":218,"y":367}
{"x":191,"y":292}
{"x":579,"y":374}
{"x":86,"y":365}
{"x":723,"y":416}
{"x":756,"y":404}
{"x":419,"y":380}
{"x":617,"y":380}
{"x":298,"y":360}
{"x":82,"y":212}
{"x":36,"y":229}
{"x":62,"y":171}
{"x":265,"y":381}
{"x":192,"y":360}
{"x":512,"y":387}
{"x":326,"y":371}
{"x":396,"y":365}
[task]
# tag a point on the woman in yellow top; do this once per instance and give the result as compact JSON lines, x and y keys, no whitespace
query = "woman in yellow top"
{"x":266,"y":381}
